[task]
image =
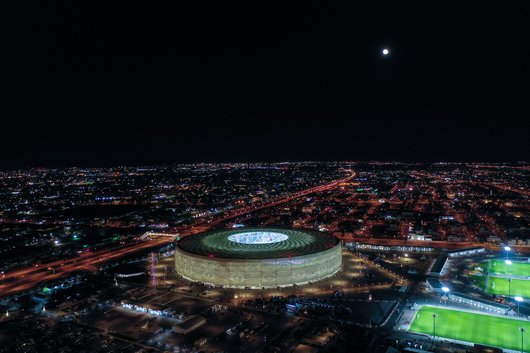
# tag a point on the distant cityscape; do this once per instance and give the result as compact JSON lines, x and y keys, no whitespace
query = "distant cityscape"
{"x":89,"y":257}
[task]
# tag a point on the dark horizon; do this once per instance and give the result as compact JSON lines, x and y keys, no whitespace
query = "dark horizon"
{"x":416,"y":163}
{"x":144,"y":85}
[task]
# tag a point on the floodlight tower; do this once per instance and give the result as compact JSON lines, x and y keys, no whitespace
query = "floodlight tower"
{"x":507,"y":250}
{"x":446,"y":294}
{"x":434,"y":316}
{"x":509,"y":263}
{"x":518,"y":299}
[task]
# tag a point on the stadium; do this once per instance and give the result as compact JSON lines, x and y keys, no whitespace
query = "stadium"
{"x":470,"y":326}
{"x":494,"y":320}
{"x":258,"y":257}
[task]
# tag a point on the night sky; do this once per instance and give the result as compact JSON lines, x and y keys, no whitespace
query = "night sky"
{"x":98,"y":83}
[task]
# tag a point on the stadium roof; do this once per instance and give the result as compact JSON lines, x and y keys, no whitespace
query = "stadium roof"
{"x":257,"y":243}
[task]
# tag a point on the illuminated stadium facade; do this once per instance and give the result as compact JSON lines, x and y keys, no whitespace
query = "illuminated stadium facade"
{"x":258,"y":257}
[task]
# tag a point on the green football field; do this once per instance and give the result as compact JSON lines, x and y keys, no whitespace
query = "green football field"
{"x":500,"y":286}
{"x":516,"y":268}
{"x":470,"y":327}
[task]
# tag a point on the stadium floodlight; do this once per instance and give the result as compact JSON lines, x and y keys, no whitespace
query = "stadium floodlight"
{"x":446,"y":291}
{"x":518,"y":299}
{"x":434,"y":316}
{"x":509,"y":262}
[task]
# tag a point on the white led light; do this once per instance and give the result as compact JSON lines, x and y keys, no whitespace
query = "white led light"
{"x":257,"y":237}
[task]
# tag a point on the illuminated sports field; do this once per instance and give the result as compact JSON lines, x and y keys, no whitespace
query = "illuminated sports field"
{"x":472,"y":327}
{"x":515,"y":269}
{"x":500,"y":286}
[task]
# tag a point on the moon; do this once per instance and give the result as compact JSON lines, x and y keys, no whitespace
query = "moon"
{"x":386,"y":51}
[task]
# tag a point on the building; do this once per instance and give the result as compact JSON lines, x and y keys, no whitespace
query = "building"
{"x":258,"y":257}
{"x":466,"y":252}
{"x":479,"y":303}
{"x":436,"y":286}
{"x":439,"y":266}
{"x":189,"y":325}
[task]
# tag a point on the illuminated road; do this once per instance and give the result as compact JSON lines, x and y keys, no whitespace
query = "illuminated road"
{"x":21,"y":280}
{"x":27,"y":278}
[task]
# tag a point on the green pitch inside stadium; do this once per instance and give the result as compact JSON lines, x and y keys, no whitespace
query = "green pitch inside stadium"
{"x":516,"y":268}
{"x":501,"y":278}
{"x":503,"y":286}
{"x":258,"y":257}
{"x":472,"y":327}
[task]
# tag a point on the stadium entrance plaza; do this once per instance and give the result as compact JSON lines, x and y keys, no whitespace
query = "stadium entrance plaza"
{"x":356,"y":278}
{"x":224,"y":309}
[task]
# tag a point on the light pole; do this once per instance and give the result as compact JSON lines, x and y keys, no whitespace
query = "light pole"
{"x":446,"y":294}
{"x":507,"y":249}
{"x":518,"y":299}
{"x":434,"y":316}
{"x":522,"y":329}
{"x":509,"y":262}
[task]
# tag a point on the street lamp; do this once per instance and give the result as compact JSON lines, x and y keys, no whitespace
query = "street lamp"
{"x":518,"y":299}
{"x":522,"y":329}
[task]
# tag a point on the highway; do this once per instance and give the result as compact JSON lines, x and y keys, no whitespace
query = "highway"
{"x":24,"y":279}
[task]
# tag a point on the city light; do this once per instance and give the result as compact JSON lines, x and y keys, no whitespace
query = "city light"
{"x":266,"y":179}
{"x":363,"y":269}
